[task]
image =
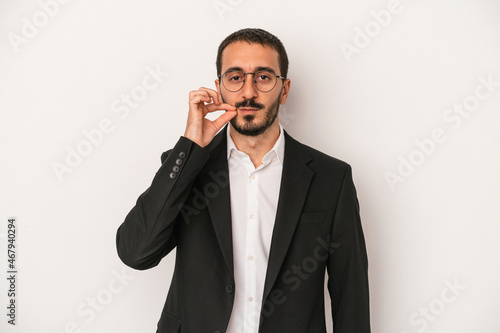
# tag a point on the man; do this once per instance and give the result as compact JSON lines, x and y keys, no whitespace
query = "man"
{"x":255,"y":216}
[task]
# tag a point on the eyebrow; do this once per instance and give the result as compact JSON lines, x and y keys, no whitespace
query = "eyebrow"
{"x":260,"y":68}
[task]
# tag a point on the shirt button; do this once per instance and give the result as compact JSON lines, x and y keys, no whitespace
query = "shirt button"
{"x":250,"y":299}
{"x":250,"y":258}
{"x":182,"y":154}
{"x":252,"y":217}
{"x":178,"y":161}
{"x":252,"y":177}
{"x":229,"y":289}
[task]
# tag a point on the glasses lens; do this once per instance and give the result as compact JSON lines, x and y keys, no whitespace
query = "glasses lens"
{"x":265,"y":80}
{"x":233,"y":81}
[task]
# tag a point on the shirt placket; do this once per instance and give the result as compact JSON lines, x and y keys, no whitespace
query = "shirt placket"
{"x":251,"y":241}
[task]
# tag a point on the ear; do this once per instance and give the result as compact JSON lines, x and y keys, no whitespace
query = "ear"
{"x":217,"y":85}
{"x":285,"y":91}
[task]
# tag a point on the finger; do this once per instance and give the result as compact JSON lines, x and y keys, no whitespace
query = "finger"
{"x":197,"y":96}
{"x":195,"y":93}
{"x":229,"y":107}
{"x":223,"y":106}
{"x":213,"y":94}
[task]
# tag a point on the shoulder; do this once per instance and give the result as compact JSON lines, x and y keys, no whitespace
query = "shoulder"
{"x":317,"y":159}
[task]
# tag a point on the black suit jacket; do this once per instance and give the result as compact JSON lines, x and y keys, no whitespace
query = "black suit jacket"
{"x":317,"y":227}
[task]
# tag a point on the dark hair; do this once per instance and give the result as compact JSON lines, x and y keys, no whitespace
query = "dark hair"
{"x":253,"y":35}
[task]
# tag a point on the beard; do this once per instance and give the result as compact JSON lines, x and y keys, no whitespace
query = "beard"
{"x":251,"y":128}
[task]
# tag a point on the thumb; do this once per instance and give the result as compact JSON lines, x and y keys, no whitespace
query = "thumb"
{"x":223,"y":119}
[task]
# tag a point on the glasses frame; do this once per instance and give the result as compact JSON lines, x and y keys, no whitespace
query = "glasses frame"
{"x":245,"y":78}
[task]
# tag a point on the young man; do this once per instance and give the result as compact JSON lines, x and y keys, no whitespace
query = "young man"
{"x":255,"y":216}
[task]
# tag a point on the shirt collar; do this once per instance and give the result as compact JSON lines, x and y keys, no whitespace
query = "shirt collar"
{"x":277,"y":151}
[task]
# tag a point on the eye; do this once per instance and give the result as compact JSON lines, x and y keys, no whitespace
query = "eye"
{"x":264,"y":77}
{"x":234,"y":77}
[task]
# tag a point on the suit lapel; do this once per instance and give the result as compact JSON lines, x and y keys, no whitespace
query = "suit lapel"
{"x":215,"y":177}
{"x":295,"y":181}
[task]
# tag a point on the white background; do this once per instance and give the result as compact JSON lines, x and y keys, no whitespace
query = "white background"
{"x":439,"y":226}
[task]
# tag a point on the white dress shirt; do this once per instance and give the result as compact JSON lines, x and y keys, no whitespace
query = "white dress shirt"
{"x":254,"y":201}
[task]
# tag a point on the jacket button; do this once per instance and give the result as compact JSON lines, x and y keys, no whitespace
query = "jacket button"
{"x":229,"y":288}
{"x":173,"y":175}
{"x":182,"y":154}
{"x":178,"y":161}
{"x":176,"y":168}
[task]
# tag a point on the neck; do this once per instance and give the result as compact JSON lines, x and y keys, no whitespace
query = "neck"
{"x":256,"y":147}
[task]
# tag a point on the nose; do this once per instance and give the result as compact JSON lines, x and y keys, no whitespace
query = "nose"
{"x":249,"y":90}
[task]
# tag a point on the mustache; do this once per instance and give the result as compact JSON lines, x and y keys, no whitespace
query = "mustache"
{"x":249,"y":103}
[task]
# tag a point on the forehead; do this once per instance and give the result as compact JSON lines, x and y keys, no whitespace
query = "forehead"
{"x":249,"y":56}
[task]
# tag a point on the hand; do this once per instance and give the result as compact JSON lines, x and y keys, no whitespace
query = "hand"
{"x":199,"y":129}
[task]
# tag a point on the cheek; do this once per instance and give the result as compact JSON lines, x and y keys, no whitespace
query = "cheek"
{"x":223,"y":98}
{"x":227,"y":99}
{"x":276,"y":99}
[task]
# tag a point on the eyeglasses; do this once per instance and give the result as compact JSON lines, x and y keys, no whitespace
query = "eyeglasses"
{"x":264,"y":80}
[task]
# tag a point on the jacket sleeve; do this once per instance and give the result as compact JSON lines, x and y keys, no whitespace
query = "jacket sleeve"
{"x":147,"y":234}
{"x":348,"y":265}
